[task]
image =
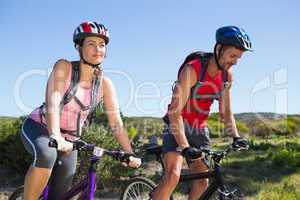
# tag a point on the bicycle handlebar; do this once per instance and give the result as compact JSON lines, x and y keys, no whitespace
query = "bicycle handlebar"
{"x":156,"y":150}
{"x":97,"y":151}
{"x":219,"y":153}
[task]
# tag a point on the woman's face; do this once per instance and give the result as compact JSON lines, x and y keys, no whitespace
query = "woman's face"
{"x":229,"y":57}
{"x":94,"y":50}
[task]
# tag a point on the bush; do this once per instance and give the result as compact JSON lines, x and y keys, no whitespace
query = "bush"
{"x":216,"y":128}
{"x":286,"y":126}
{"x":242,"y":128}
{"x":293,"y":145}
{"x":286,"y":158}
{"x":266,"y":128}
{"x":109,"y":170}
{"x":261,"y":129}
{"x":261,"y":145}
{"x":132,"y":132}
{"x":12,"y":152}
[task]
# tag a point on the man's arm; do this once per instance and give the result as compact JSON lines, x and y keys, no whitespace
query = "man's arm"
{"x":181,"y":93}
{"x":225,"y":110}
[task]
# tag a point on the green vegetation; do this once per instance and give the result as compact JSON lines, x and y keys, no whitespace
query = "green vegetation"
{"x":268,"y":163}
{"x":288,"y":189}
{"x":269,"y":170}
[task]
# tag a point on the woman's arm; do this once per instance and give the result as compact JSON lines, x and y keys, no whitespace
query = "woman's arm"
{"x":54,"y":94}
{"x":113,"y":114}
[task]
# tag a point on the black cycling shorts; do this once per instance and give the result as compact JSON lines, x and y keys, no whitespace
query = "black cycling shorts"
{"x":197,"y":137}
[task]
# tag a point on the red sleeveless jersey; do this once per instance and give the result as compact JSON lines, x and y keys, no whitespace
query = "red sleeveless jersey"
{"x":197,"y":108}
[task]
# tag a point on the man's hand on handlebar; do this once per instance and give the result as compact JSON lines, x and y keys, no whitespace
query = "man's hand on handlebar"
{"x":191,"y":153}
{"x":240,"y":143}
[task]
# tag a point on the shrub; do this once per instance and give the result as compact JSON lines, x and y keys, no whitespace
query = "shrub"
{"x":287,"y":126}
{"x":12,"y":152}
{"x":109,"y":170}
{"x":216,"y":128}
{"x":286,"y":158}
{"x":260,"y":128}
{"x":260,"y":145}
{"x":242,"y":128}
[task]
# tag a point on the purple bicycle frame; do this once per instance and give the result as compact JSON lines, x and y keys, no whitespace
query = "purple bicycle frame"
{"x":87,"y":186}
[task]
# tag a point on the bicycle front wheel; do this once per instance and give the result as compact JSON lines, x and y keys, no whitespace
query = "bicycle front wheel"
{"x":17,"y":194}
{"x":138,"y":188}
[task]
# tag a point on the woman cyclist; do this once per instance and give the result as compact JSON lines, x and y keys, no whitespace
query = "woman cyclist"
{"x":73,"y":90}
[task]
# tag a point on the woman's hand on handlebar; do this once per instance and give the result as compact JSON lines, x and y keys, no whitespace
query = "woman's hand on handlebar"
{"x":62,"y":144}
{"x":130,"y":160}
{"x":134,"y":162}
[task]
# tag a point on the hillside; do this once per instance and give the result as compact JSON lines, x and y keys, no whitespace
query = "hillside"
{"x":243,"y":117}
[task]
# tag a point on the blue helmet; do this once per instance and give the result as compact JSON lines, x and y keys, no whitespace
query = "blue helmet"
{"x":232,"y":35}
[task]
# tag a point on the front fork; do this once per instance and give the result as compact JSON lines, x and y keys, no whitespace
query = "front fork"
{"x":219,"y":180}
{"x":218,"y":175}
{"x":92,"y":179}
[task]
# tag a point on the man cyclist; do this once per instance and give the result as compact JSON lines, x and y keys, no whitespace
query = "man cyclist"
{"x":73,"y":91}
{"x":202,"y":78}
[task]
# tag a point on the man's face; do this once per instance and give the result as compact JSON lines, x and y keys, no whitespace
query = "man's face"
{"x":229,"y":56}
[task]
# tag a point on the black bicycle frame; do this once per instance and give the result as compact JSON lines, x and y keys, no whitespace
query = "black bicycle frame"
{"x":216,"y":178}
{"x":214,"y":174}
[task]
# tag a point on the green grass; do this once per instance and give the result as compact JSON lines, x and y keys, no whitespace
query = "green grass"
{"x":258,"y":173}
{"x":287,"y":189}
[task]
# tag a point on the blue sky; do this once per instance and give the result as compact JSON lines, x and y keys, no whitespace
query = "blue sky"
{"x":149,"y":40}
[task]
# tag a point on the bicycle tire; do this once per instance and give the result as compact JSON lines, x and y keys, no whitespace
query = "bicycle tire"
{"x":18,"y":194}
{"x":139,"y":188}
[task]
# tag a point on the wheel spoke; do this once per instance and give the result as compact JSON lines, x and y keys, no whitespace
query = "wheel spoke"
{"x":138,"y":189}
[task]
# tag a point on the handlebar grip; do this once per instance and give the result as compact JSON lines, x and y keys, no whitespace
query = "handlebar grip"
{"x":191,"y":153}
{"x":124,"y":157}
{"x":52,"y":143}
{"x":77,"y":144}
